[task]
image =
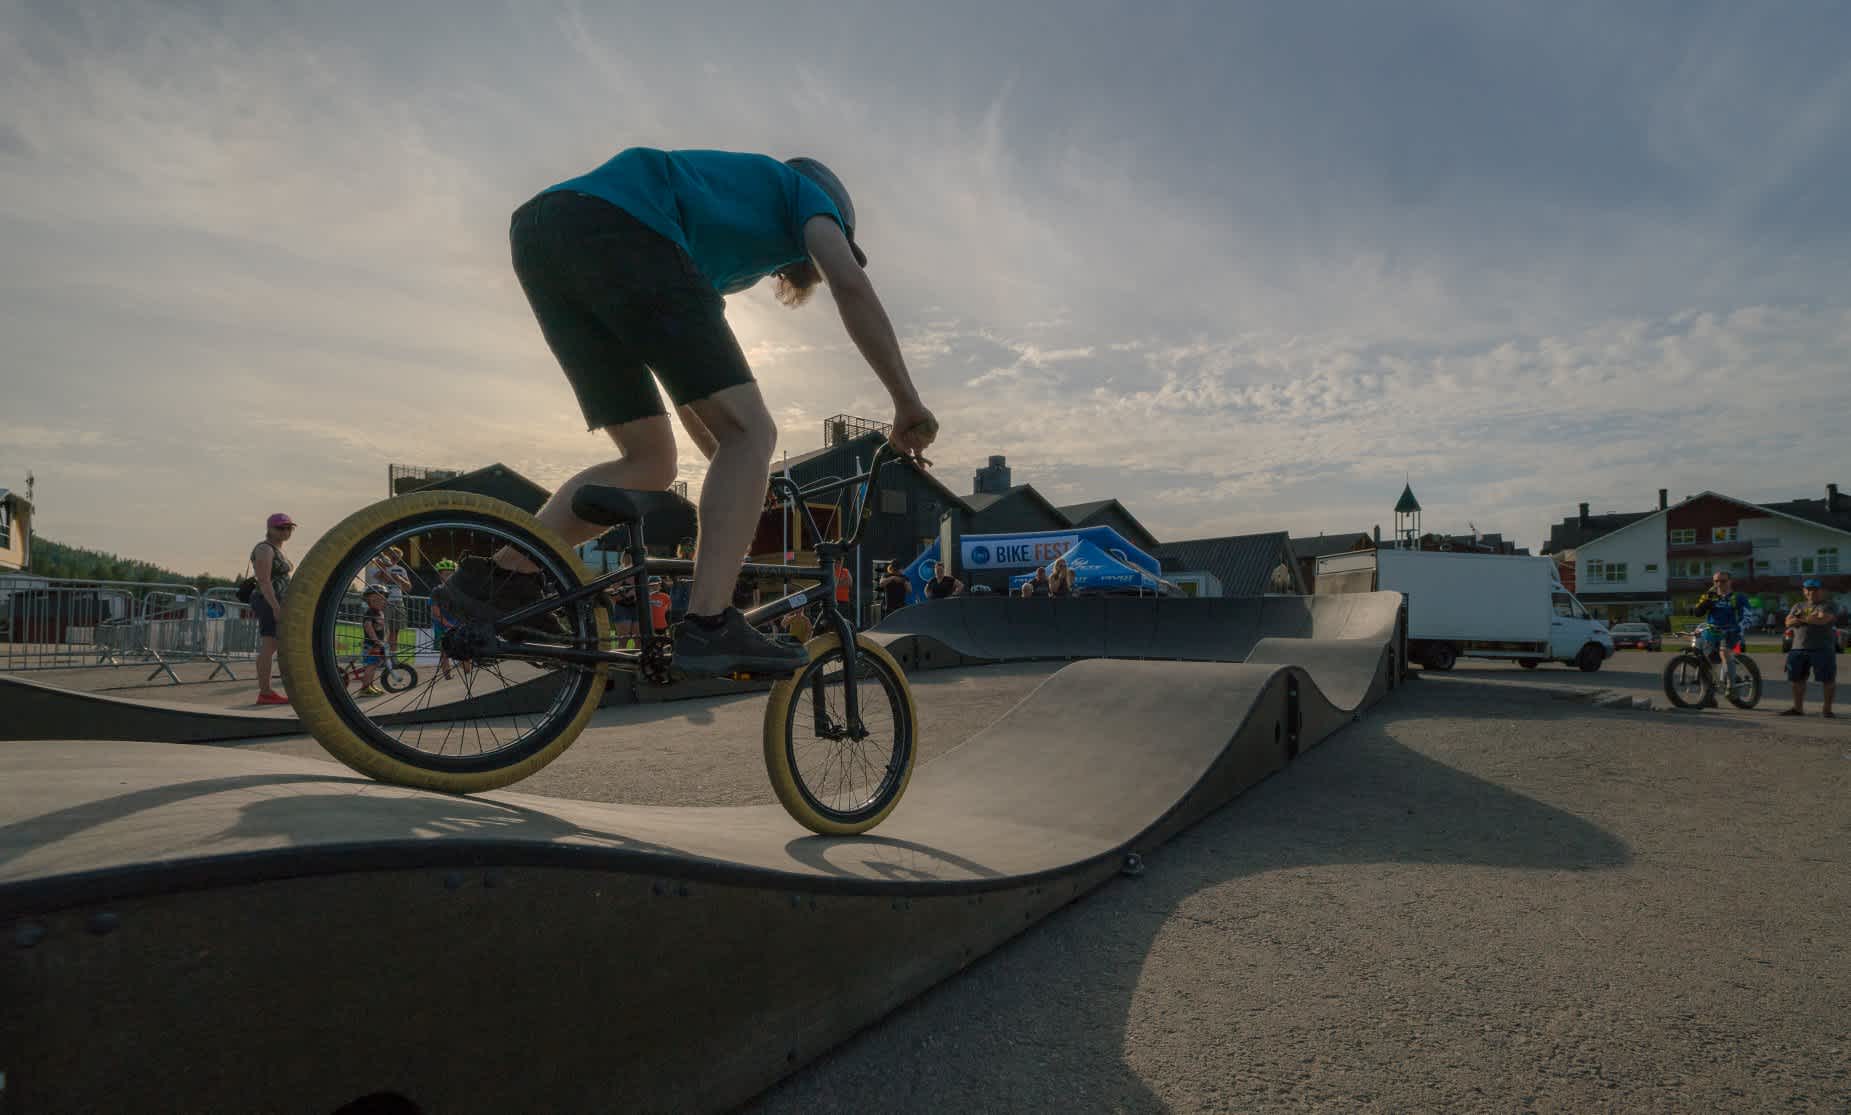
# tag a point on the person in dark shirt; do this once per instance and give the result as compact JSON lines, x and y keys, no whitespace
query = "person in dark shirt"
{"x":894,"y":589}
{"x":942,"y":585}
{"x":1040,"y":586}
{"x":1811,"y":622}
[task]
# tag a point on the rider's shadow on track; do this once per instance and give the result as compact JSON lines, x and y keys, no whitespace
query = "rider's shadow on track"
{"x":1042,"y":1023}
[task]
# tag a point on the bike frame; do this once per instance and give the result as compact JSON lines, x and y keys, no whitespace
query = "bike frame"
{"x":639,"y":566}
{"x":1725,"y":651}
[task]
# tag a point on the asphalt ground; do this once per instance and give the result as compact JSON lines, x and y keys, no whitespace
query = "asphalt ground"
{"x":1488,"y":894}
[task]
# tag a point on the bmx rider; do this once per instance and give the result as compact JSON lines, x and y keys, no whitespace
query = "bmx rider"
{"x":625,"y":268}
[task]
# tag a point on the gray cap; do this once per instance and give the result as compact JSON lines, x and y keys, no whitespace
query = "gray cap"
{"x":825,"y":180}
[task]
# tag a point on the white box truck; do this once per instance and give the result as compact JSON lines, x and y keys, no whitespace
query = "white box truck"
{"x":1476,"y":606}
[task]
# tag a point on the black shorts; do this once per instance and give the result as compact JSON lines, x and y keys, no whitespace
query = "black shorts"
{"x":618,"y":300}
{"x":266,"y":619}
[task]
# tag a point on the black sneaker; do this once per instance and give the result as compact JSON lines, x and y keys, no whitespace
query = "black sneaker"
{"x":732,"y":648}
{"x":482,"y":590}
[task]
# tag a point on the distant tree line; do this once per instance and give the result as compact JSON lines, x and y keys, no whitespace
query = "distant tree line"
{"x":74,"y":563}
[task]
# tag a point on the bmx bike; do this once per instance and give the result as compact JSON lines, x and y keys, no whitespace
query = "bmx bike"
{"x":1691,"y":678}
{"x":393,"y":674}
{"x":839,"y":733}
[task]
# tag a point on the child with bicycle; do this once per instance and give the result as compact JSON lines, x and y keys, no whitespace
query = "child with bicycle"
{"x":373,"y":641}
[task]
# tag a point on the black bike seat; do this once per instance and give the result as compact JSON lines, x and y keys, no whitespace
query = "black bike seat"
{"x":609,"y":507}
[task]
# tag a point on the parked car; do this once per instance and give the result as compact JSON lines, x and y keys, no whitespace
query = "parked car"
{"x":1641,"y":635}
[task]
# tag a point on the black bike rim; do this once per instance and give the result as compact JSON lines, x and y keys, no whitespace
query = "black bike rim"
{"x":802,"y":714}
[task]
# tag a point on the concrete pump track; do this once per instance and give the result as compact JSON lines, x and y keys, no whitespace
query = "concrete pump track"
{"x":203,"y":928}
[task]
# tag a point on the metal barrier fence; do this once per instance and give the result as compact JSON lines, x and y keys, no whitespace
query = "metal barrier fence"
{"x":58,"y":624}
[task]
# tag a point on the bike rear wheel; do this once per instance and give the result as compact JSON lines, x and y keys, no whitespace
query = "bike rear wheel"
{"x":1687,"y":681}
{"x":833,"y":777}
{"x":484,"y":727}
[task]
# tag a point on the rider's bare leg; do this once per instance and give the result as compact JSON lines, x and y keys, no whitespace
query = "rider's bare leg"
{"x":698,"y":431}
{"x":733,"y":494}
{"x":647,"y":464}
{"x":1799,"y":697}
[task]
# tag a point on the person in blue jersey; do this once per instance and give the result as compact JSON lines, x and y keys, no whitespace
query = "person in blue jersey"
{"x":1722,"y":606}
{"x":1725,"y":608}
{"x":626,"y":268}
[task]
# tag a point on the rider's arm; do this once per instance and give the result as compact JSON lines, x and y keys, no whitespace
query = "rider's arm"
{"x":862,"y":313}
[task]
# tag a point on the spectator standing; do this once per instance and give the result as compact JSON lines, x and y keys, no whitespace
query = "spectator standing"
{"x":943,"y":585}
{"x":845,"y":587}
{"x":1809,"y":625}
{"x":387,"y":572}
{"x":440,"y":621}
{"x":894,"y":590}
{"x":1028,"y":590}
{"x":1061,"y":582}
{"x":272,"y":570}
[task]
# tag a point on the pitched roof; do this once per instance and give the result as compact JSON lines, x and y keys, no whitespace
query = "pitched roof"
{"x":1243,"y":563}
{"x":1407,"y":503}
{"x":1570,"y":534}
{"x":1815,"y":511}
{"x":1079,"y":511}
{"x":1599,"y":526}
{"x":1083,"y":514}
{"x":979,"y":502}
{"x":1318,"y":545}
{"x":865,"y":444}
{"x":499,"y":481}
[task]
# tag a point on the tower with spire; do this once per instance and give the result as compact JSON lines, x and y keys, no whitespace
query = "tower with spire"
{"x":1407,"y":519}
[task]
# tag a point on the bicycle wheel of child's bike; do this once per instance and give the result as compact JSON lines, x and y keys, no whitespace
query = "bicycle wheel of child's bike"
{"x":835,"y":777}
{"x":398,"y":677}
{"x":1744,"y":690}
{"x":493,"y":723}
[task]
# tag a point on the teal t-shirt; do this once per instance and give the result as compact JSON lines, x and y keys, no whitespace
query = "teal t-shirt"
{"x":740,"y":217}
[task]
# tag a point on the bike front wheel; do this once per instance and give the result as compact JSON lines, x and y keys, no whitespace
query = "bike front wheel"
{"x":1744,"y":688}
{"x":834,"y":776}
{"x":504,"y":717}
{"x":1687,"y":681}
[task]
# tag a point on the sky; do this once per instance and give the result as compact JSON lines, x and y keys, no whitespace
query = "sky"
{"x":1243,"y":267}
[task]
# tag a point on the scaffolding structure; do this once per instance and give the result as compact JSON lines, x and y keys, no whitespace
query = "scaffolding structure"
{"x":838,"y":428}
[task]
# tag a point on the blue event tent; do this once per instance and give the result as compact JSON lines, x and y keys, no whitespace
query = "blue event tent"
{"x":1094,"y":570}
{"x":1030,"y":551}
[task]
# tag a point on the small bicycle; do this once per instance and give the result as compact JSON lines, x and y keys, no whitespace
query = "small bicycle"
{"x":1691,"y":679}
{"x":395,"y":676}
{"x":839,"y":734}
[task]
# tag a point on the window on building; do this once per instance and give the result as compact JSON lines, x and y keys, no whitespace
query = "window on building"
{"x":1739,"y":567}
{"x":1828,"y":559}
{"x":1616,"y":572}
{"x":6,"y":527}
{"x":1651,"y":567}
{"x":1802,"y":565}
{"x":892,"y":502}
{"x":1722,"y":534}
{"x":1684,"y":536}
{"x":1596,"y":570}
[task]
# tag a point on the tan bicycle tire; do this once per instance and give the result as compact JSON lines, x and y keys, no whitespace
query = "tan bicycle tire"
{"x":785,"y":781}
{"x":295,"y":646}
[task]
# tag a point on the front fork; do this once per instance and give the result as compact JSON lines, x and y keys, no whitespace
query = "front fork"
{"x":851,"y":701}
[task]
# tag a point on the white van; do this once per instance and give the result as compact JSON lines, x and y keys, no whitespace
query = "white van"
{"x":1476,"y":606}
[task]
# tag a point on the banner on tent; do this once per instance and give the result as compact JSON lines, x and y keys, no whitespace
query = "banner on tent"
{"x":1016,"y":553}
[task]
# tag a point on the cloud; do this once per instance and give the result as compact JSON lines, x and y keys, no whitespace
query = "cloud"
{"x":257,"y":255}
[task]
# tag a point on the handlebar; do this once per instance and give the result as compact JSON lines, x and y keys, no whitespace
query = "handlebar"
{"x":884,"y":455}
